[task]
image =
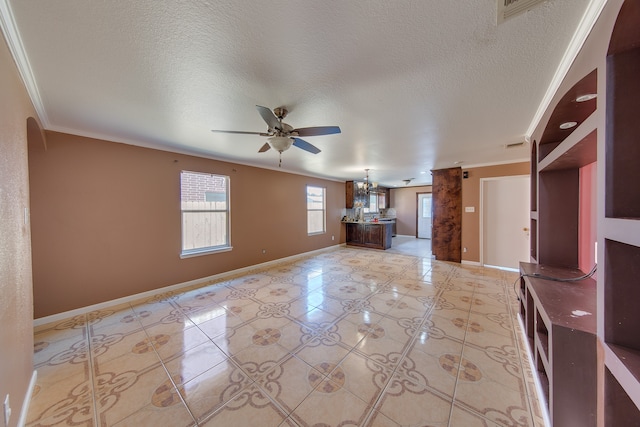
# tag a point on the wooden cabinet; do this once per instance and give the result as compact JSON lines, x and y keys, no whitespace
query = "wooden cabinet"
{"x":370,"y":235}
{"x":352,"y":196}
{"x":349,"y":194}
{"x":354,"y":233}
{"x":560,"y":325}
{"x":384,"y":198}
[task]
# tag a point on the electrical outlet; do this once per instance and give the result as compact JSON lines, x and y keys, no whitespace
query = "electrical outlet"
{"x":333,"y":237}
{"x":464,"y":249}
{"x":264,"y":251}
{"x":7,"y":410}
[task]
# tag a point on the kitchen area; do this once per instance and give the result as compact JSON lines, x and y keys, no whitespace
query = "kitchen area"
{"x":369,"y":219}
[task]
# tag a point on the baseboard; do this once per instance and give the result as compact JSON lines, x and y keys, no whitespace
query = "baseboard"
{"x":497,"y":267}
{"x":24,"y":412}
{"x":83,"y":310}
{"x":476,"y":263}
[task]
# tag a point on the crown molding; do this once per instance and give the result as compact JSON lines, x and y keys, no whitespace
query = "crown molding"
{"x":16,"y":47}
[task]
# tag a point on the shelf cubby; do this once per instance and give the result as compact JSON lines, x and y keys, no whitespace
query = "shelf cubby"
{"x":534,"y":175}
{"x":542,"y":336}
{"x":623,"y":131}
{"x":533,"y":236}
{"x":579,"y":149}
{"x":568,"y":110}
{"x":558,"y":215}
{"x":621,"y":294}
{"x":621,"y":410}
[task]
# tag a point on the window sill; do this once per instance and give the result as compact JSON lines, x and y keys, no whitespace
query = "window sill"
{"x":207,"y":251}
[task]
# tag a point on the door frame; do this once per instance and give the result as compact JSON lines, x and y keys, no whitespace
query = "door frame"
{"x":482,"y":181}
{"x":418,"y":207}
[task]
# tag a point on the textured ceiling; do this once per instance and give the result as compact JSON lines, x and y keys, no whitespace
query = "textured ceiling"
{"x":413,"y":84}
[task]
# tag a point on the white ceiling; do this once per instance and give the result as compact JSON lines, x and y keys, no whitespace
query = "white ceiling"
{"x":413,"y":84}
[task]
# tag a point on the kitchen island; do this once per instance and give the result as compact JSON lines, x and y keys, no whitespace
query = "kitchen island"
{"x":376,"y":235}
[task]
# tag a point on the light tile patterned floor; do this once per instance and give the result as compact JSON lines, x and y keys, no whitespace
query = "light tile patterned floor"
{"x":346,"y":337}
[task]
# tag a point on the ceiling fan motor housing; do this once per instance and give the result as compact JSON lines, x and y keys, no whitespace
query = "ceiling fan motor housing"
{"x":280,"y":112}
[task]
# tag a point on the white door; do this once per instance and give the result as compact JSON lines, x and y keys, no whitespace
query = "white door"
{"x":424,"y":215}
{"x":505,"y":221}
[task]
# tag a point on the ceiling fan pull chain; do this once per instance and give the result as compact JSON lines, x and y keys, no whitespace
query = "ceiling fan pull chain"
{"x":280,"y":163}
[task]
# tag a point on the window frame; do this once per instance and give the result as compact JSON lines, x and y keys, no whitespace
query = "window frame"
{"x":323,"y":209}
{"x":206,"y":250}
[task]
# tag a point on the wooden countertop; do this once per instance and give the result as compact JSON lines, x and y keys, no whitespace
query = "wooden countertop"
{"x":569,"y":304}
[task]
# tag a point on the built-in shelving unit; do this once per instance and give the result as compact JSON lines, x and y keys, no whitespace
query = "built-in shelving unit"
{"x":556,"y":163}
{"x":560,"y":317}
{"x":620,"y":228}
{"x":595,"y":119}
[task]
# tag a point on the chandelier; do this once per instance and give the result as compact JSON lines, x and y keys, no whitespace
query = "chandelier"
{"x":366,"y":187}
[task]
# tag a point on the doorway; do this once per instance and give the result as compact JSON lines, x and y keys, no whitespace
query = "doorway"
{"x":423,"y":228}
{"x":504,"y":221}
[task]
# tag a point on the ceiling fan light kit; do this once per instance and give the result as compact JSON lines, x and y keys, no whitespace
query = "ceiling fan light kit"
{"x":280,"y":143}
{"x":281,"y":135}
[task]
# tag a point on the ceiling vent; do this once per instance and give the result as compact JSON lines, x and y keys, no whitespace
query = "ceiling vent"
{"x":510,"y":8}
{"x":515,"y":145}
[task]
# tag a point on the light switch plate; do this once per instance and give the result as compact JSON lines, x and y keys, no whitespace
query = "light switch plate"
{"x":470,"y":209}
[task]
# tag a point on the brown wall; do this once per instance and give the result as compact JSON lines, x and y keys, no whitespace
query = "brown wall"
{"x":106,"y":220}
{"x":16,"y":305}
{"x":404,"y":201}
{"x":471,"y":197}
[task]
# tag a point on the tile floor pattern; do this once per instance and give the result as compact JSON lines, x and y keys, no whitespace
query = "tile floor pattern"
{"x":346,"y":337}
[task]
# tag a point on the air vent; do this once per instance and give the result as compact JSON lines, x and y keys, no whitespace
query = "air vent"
{"x":515,"y":145}
{"x":510,"y":8}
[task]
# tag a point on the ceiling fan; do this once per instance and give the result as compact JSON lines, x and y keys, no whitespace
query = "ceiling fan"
{"x":282,"y":136}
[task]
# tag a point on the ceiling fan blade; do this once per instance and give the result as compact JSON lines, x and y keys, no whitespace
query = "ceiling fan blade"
{"x":239,"y":132}
{"x":264,"y":148}
{"x":317,"y":130}
{"x":269,"y":117}
{"x":301,"y":143}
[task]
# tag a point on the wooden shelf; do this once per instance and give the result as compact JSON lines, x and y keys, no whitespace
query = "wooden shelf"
{"x":622,"y":230}
{"x":579,"y":149}
{"x":630,"y":359}
{"x":561,"y":299}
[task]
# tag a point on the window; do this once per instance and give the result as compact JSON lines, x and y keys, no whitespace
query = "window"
{"x":204,"y":202}
{"x":373,"y":203}
{"x":315,"y":210}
